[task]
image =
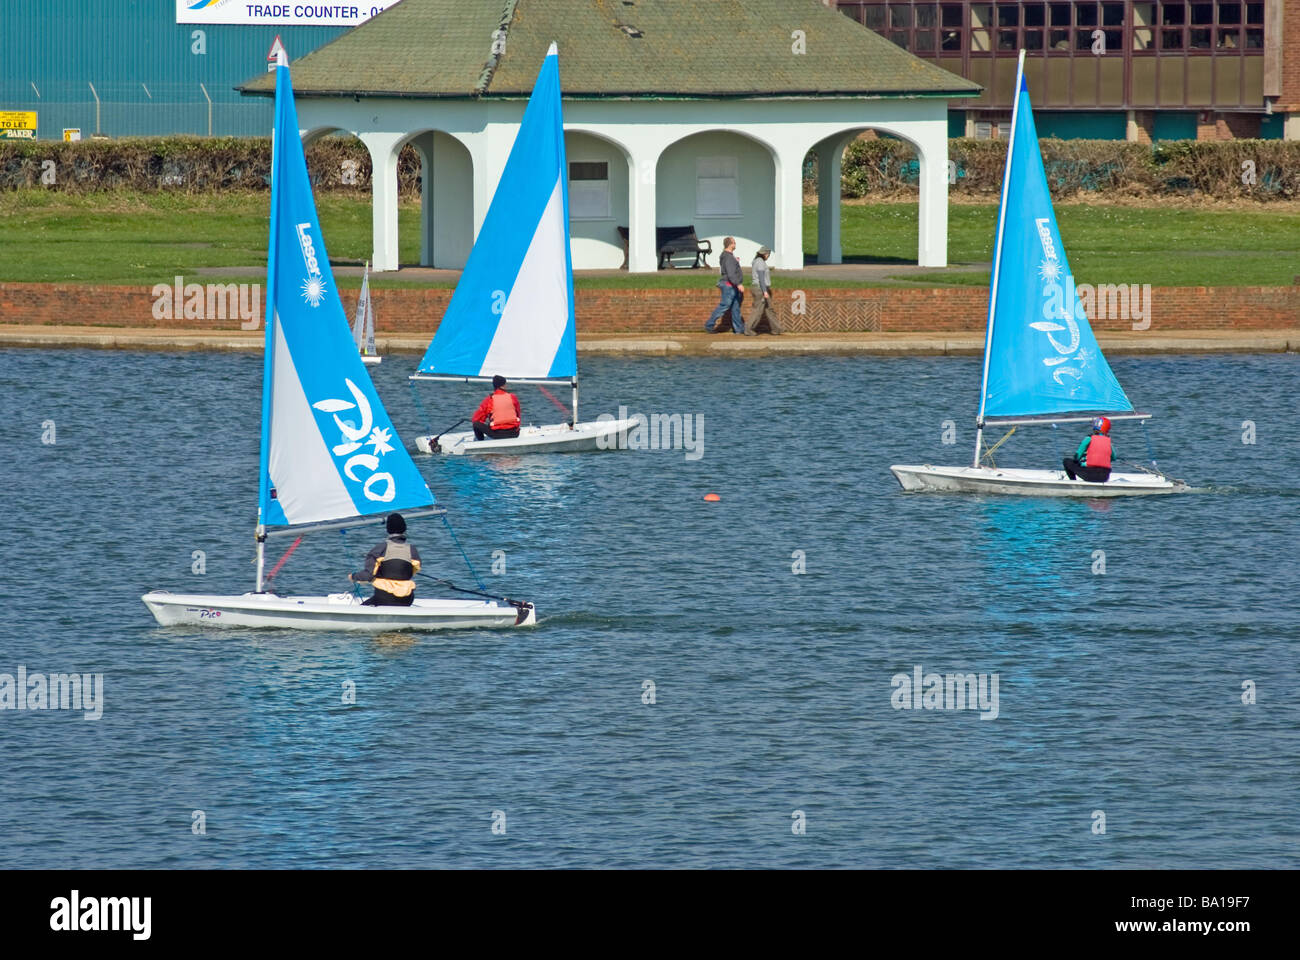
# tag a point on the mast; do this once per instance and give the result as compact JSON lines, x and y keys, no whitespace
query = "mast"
{"x":997,"y":260}
{"x":268,"y":356}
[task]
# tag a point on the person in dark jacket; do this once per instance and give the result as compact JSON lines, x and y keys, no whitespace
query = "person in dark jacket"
{"x":499,"y":415}
{"x":732,"y":284}
{"x":391,"y":568}
{"x":1091,"y":462}
{"x":762,"y":319}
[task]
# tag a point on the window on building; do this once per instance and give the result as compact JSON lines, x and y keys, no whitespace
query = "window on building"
{"x":717,"y":187}
{"x":589,"y":190}
{"x":1144,"y":38}
{"x":981,"y":23}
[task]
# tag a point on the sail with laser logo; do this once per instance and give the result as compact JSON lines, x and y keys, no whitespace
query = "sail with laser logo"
{"x":329,"y":448}
{"x":1042,"y":355}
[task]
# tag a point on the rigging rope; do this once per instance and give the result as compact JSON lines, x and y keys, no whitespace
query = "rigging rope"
{"x":343,"y":538}
{"x":464,"y":555}
{"x":419,"y":405}
{"x":551,"y":397}
{"x":989,"y":452}
{"x":280,"y":563}
{"x":1151,"y":452}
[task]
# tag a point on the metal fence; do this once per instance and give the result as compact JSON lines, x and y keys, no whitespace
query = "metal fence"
{"x":141,"y":109}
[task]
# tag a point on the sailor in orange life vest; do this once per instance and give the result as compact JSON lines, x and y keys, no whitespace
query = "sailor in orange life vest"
{"x":498,"y":415}
{"x":390,"y":568}
{"x":1091,"y":462}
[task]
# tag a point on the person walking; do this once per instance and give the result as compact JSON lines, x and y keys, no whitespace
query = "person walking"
{"x":763,"y":318}
{"x":732,"y":284}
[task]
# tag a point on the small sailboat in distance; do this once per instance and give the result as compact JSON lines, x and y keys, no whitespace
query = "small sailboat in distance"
{"x":363,"y":327}
{"x":1042,"y":364}
{"x":330,"y":457}
{"x":512,"y":312}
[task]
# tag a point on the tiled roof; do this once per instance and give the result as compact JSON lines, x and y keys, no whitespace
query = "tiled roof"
{"x":614,"y":49}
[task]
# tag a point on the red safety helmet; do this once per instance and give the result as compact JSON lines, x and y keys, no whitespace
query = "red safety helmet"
{"x":1101,"y":424}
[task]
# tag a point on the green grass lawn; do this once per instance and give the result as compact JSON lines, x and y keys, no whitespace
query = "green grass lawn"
{"x":1163,"y":246}
{"x":129,"y":238}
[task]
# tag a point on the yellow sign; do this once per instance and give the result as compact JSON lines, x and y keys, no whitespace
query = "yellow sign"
{"x":71,"y":134}
{"x":17,"y":124}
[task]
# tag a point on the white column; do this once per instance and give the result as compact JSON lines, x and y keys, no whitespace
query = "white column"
{"x":829,"y":247}
{"x":1291,"y":127}
{"x":787,"y":245}
{"x":424,"y":146}
{"x":383,"y":187}
{"x":932,"y":219}
{"x":641,"y":213}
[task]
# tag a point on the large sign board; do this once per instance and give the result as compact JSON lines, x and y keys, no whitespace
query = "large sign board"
{"x":319,"y":14}
{"x":17,"y":124}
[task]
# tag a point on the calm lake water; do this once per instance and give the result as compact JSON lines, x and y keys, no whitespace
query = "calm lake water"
{"x":1119,"y":692}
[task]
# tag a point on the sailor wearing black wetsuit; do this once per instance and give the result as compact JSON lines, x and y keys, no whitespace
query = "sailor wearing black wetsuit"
{"x":390,"y":568}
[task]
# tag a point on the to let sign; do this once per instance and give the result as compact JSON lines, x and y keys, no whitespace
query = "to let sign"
{"x":17,"y":124}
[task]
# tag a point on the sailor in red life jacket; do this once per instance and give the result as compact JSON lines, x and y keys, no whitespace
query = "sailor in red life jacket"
{"x":498,"y":415}
{"x":1091,"y":462}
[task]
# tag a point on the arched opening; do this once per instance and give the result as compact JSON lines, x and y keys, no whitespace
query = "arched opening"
{"x":338,"y":166}
{"x":862,"y":198}
{"x":723,"y":184}
{"x":598,"y":201}
{"x":436,"y":207}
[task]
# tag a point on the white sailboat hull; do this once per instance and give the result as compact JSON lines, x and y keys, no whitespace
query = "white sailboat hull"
{"x":342,"y":611}
{"x":370,"y":359}
{"x":1035,"y":483}
{"x":552,"y":438}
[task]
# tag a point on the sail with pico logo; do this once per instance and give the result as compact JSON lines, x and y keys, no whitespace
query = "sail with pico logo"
{"x":1043,"y":357}
{"x":329,"y":448}
{"x":512,"y":312}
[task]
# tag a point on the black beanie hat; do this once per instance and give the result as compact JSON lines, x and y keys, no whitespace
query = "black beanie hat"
{"x":498,"y":382}
{"x":395,"y":523}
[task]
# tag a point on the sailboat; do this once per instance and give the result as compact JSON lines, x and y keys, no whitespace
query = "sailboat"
{"x":1042,"y":364}
{"x":363,"y":327}
{"x":512,"y":311}
{"x":330,"y":457}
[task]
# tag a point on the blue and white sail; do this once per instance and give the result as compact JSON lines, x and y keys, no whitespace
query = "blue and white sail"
{"x":1040,"y":355}
{"x":512,"y":312}
{"x":329,"y":449}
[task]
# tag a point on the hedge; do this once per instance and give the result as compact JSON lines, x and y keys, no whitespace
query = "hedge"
{"x":879,"y":167}
{"x":1221,"y":169}
{"x":188,"y":164}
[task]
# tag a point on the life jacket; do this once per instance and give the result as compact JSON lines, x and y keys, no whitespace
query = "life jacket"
{"x":503,"y":416}
{"x":395,"y":570}
{"x":1099,"y":451}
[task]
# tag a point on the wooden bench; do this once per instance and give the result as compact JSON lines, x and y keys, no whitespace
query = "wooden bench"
{"x":670,"y":241}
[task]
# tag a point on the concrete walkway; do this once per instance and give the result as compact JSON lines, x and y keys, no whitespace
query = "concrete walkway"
{"x":678,"y":345}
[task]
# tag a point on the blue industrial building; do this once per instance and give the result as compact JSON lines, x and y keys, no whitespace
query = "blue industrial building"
{"x":127,"y":68}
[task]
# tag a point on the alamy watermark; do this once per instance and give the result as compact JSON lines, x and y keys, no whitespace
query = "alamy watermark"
{"x":208,"y":301}
{"x":658,"y":431}
{"x":55,"y":691}
{"x":952,"y":691}
{"x":1101,"y":301}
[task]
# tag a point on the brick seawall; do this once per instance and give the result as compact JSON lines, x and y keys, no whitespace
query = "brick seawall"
{"x":415,"y":312}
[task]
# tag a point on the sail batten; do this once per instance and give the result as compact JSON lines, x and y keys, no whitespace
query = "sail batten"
{"x":512,"y":311}
{"x":1041,"y":356}
{"x":330,"y":451}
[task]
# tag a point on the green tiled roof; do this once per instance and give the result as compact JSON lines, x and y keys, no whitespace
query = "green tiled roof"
{"x":614,"y":49}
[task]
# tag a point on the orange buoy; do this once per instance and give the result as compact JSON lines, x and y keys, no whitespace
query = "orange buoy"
{"x":711,"y":497}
